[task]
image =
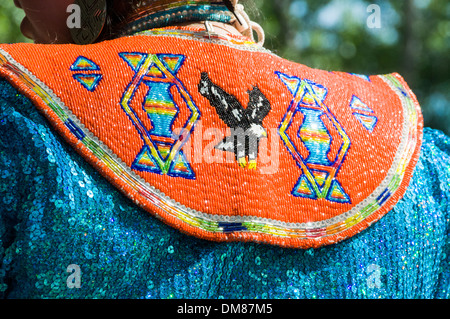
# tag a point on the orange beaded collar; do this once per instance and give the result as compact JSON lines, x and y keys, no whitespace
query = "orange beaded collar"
{"x":224,"y":140}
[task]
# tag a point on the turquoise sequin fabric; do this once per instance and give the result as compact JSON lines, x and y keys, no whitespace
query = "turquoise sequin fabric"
{"x":58,"y":214}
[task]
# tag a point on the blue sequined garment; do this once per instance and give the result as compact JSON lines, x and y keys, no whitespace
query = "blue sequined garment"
{"x":56,"y":211}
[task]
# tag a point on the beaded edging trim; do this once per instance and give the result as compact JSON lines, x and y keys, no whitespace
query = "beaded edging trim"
{"x":216,"y":224}
{"x":239,"y":43}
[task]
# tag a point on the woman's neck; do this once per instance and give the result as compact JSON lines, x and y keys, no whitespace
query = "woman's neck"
{"x":161,"y":14}
{"x":219,"y":28}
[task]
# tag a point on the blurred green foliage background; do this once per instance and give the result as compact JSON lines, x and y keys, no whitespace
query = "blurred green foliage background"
{"x":413,"y":40}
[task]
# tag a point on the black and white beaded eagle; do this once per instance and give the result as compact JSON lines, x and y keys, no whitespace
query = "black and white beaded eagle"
{"x":246,"y":124}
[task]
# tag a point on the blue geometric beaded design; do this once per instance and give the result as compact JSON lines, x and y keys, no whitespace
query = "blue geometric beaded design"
{"x":312,"y":122}
{"x":161,"y":152}
{"x":363,"y":113}
{"x":87,"y":73}
{"x":308,"y":106}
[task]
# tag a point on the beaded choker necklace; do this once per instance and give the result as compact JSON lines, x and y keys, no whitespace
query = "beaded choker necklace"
{"x":164,"y":13}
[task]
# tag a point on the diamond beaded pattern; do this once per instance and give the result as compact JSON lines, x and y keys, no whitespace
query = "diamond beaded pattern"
{"x":56,"y":210}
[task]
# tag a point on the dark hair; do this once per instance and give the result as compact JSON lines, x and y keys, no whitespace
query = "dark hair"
{"x":117,"y":12}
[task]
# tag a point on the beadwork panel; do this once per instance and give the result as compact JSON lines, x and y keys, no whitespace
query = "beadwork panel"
{"x":342,"y":161}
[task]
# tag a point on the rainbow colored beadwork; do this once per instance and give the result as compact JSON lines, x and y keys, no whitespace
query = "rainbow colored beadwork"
{"x":345,"y":162}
